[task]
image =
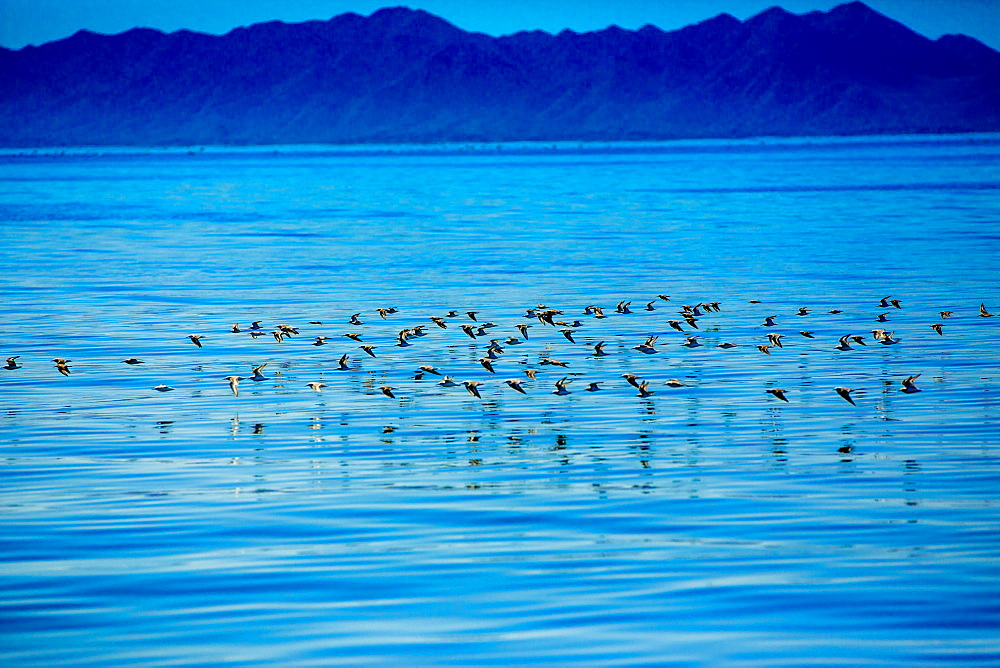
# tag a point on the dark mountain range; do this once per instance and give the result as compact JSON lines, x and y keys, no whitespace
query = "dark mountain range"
{"x":406,"y":76}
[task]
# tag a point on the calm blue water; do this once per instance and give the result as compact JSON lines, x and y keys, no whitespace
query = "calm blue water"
{"x":704,"y":525}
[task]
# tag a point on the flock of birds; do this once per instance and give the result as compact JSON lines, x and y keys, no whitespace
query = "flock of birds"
{"x":480,"y":332}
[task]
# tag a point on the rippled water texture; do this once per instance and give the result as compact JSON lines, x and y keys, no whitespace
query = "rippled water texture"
{"x":705,"y":524}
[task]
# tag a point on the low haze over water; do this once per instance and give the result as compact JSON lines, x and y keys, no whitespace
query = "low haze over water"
{"x":710,"y":523}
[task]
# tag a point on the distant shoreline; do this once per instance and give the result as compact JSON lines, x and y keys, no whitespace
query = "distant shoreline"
{"x":706,"y":145}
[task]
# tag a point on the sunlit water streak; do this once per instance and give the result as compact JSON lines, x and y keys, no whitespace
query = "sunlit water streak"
{"x":709,"y":524}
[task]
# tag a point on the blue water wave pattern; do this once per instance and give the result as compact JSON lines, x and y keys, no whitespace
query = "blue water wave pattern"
{"x":706,"y":524}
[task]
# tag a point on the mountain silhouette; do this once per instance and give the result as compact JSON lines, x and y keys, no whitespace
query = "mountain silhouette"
{"x":402,"y":75}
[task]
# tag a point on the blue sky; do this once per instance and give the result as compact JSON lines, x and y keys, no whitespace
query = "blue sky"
{"x":37,"y":21}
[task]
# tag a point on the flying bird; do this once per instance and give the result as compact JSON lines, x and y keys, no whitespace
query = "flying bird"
{"x":647,"y":345}
{"x":846,"y":394}
{"x":561,"y":386}
{"x":779,"y":393}
{"x":909,"y":384}
{"x":631,"y":379}
{"x":515,"y":385}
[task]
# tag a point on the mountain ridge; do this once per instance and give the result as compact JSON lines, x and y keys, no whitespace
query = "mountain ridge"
{"x":402,"y":75}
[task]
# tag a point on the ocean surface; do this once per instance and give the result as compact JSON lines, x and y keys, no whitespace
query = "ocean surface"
{"x":706,"y":524}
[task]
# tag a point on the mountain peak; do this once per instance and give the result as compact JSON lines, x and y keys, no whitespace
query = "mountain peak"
{"x":406,"y":18}
{"x":771,"y":16}
{"x":974,"y":52}
{"x":855,"y":8}
{"x":857,"y":17}
{"x":717,"y":24}
{"x":404,"y":75}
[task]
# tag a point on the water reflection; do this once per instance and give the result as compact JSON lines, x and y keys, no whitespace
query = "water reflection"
{"x":911,"y":471}
{"x":572,"y":516}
